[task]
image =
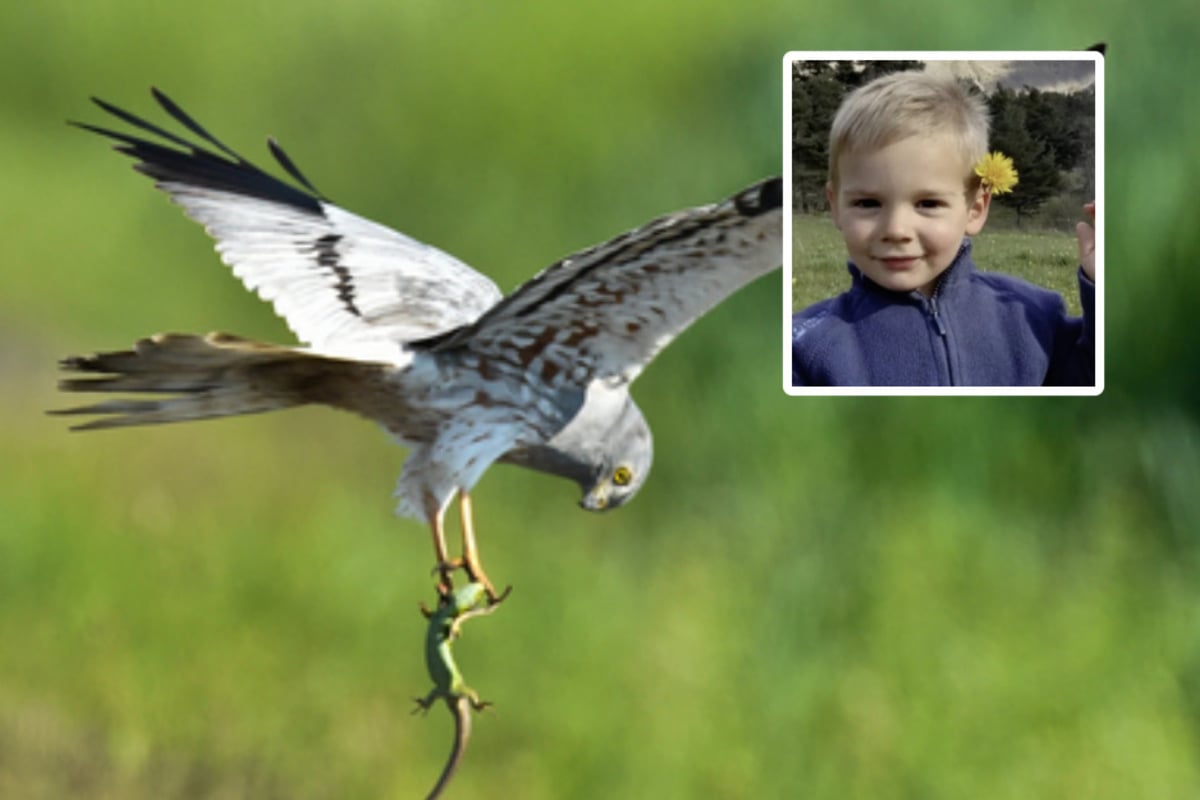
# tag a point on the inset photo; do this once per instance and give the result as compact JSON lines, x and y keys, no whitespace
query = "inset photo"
{"x":944,"y":223}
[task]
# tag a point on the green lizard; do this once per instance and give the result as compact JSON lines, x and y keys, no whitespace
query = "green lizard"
{"x":445,"y":623}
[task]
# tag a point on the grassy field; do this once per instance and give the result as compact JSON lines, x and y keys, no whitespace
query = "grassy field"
{"x":1046,"y":258}
{"x":842,"y":598}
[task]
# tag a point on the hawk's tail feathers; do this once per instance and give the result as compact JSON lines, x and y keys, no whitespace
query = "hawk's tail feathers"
{"x":217,"y":375}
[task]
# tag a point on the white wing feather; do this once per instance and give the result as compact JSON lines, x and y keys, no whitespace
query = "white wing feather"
{"x":377,"y":288}
{"x":345,"y":285}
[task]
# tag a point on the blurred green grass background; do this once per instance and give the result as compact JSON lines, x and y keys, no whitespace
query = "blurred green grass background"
{"x":825,"y":597}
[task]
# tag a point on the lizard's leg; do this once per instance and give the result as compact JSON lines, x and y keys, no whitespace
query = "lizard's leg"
{"x":482,"y":611}
{"x":470,"y":551}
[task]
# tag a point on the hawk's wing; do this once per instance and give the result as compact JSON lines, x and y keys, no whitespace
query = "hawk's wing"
{"x":345,"y":285}
{"x":605,"y":312}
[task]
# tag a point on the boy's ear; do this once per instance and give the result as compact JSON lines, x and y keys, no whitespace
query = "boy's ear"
{"x":977,"y":212}
{"x":831,"y":198}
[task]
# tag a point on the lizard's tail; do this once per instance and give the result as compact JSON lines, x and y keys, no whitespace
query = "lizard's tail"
{"x":461,"y":707}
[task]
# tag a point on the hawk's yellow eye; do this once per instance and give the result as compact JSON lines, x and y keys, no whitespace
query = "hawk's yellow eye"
{"x":622,"y":476}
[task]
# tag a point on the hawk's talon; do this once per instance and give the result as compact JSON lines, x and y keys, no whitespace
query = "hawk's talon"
{"x":445,"y":570}
{"x":475,"y":574}
{"x":448,"y":566}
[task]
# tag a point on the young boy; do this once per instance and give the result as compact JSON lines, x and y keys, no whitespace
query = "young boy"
{"x":904,"y":194}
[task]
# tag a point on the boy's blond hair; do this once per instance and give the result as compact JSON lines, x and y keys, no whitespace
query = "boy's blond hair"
{"x":903,"y":104}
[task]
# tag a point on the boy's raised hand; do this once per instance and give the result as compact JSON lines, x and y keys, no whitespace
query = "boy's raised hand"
{"x":1086,"y":235}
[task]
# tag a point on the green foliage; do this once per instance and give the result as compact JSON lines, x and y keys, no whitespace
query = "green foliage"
{"x":816,"y":94}
{"x":1047,"y":135}
{"x":821,"y":598}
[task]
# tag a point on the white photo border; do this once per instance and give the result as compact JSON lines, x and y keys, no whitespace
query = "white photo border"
{"x":790,"y":58}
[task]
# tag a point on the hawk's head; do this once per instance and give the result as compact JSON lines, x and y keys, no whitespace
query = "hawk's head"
{"x":607,"y":450}
{"x":621,"y":462}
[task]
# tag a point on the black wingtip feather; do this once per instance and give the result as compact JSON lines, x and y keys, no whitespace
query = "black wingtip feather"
{"x":760,"y":198}
{"x":287,"y":163}
{"x":172,"y":108}
{"x":194,"y":165}
{"x":138,"y":122}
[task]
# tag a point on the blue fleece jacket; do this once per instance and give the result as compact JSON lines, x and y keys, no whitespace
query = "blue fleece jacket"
{"x":978,"y":329}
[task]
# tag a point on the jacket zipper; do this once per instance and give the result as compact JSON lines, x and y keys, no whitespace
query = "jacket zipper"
{"x":941,"y":329}
{"x":937,"y":320}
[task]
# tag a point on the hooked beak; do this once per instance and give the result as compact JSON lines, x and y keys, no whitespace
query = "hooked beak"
{"x":597,"y":498}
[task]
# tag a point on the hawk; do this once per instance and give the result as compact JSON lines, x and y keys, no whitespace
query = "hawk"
{"x":408,"y":336}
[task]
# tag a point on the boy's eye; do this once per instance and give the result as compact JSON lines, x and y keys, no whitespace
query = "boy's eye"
{"x":931,"y":203}
{"x":864,"y":202}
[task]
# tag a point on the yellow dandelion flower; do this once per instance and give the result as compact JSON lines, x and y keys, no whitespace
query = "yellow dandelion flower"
{"x":996,"y":173}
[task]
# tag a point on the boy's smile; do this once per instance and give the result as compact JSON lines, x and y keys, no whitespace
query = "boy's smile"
{"x":904,"y":209}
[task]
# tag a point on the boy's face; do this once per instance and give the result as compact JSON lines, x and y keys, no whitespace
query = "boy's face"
{"x":903,"y":210}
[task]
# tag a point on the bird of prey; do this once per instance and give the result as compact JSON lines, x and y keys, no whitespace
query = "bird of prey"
{"x":408,"y":336}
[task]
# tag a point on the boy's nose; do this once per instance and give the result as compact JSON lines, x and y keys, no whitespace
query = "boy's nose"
{"x":896,"y":225}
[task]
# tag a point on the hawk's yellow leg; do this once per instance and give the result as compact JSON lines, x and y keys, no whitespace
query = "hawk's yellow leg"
{"x":435,"y":514}
{"x":470,"y":551}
